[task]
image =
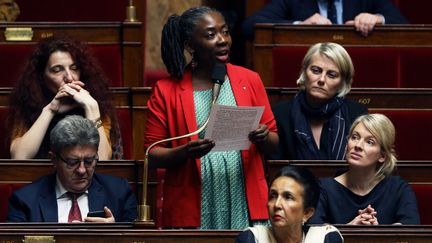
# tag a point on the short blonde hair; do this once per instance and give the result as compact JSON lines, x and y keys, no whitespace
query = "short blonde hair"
{"x":384,"y":132}
{"x":339,"y":56}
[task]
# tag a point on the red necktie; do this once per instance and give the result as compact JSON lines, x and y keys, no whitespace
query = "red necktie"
{"x":75,"y":212}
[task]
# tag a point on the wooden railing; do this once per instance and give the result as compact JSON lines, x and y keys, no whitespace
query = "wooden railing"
{"x":61,"y":233}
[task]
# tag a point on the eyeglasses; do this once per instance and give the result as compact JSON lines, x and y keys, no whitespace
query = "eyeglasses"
{"x":73,"y":163}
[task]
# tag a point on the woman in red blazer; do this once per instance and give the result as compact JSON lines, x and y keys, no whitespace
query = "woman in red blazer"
{"x":205,"y":189}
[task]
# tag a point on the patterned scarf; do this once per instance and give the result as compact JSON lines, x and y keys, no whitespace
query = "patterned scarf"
{"x":336,"y":112}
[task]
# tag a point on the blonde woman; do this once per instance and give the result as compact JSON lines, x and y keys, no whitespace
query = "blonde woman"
{"x":367,"y":194}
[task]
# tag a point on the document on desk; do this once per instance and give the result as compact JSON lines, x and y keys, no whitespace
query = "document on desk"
{"x":229,"y":126}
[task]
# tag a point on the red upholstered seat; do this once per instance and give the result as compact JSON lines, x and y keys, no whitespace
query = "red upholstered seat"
{"x":413,"y":133}
{"x":77,"y":10}
{"x":375,"y":67}
{"x":286,"y":65}
{"x":124,"y":117}
{"x":110,"y":60}
{"x":424,"y":201}
{"x":416,"y":11}
{"x":4,"y":143}
{"x":413,"y":68}
{"x":6,"y":191}
{"x":14,"y":57}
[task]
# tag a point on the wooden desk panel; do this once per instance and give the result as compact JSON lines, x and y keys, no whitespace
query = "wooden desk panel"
{"x":127,"y":233}
{"x":305,"y":35}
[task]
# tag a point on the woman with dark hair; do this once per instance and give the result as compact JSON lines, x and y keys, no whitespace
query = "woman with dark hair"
{"x":61,"y":78}
{"x":206,"y":189}
{"x":368,"y":194}
{"x":293,"y":196}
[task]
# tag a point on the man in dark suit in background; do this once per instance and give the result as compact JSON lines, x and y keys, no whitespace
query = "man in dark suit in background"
{"x":362,"y":14}
{"x":74,"y":189}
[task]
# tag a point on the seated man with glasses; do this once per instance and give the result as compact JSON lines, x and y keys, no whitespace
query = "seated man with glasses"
{"x":74,"y":189}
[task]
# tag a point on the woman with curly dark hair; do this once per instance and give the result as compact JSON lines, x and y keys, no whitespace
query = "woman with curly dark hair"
{"x":61,"y":78}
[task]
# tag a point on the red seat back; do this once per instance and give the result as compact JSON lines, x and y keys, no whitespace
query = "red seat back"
{"x":6,"y":191}
{"x":77,"y":10}
{"x":124,"y":117}
{"x":4,"y":134}
{"x":416,"y":11}
{"x":14,"y":57}
{"x":413,"y":133}
{"x":374,"y":67}
{"x":424,"y":201}
{"x":414,"y":63}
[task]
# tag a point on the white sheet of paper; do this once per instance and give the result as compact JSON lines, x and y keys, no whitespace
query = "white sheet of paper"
{"x":229,"y":126}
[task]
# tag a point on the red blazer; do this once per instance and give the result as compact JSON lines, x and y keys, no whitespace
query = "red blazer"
{"x":172,"y":113}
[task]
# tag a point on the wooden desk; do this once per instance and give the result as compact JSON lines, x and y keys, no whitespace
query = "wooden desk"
{"x":270,"y":36}
{"x":15,"y":233}
{"x":128,"y":35}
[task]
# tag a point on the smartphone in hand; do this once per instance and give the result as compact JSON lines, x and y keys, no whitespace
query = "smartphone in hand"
{"x":100,"y":214}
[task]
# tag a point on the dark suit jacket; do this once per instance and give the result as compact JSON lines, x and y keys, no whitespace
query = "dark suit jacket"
{"x":288,"y":11}
{"x":287,"y":143}
{"x":37,"y":201}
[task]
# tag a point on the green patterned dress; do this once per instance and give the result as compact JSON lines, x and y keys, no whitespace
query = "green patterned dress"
{"x":223,"y":198}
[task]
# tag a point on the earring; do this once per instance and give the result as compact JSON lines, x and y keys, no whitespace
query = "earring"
{"x":194,"y":63}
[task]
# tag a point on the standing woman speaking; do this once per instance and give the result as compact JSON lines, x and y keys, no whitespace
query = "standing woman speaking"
{"x":205,"y":189}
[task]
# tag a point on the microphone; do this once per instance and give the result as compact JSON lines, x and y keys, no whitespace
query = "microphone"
{"x":218,"y":77}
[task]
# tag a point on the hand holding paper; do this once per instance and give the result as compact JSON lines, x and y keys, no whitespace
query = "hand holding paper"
{"x":229,"y":127}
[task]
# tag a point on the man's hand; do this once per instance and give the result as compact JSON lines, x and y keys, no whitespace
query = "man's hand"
{"x":316,"y":19}
{"x":109,"y":217}
{"x":365,"y":22}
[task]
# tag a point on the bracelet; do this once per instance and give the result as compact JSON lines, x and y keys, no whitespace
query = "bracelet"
{"x":97,"y":122}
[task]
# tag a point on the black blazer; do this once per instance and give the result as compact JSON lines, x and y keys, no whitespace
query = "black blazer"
{"x":287,"y":143}
{"x":288,"y":11}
